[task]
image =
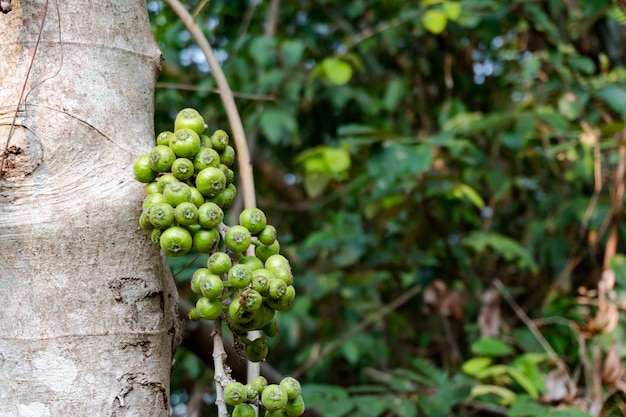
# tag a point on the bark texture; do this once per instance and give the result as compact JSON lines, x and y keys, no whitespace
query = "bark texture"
{"x":88,"y":318}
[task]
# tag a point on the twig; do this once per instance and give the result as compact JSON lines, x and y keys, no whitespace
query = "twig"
{"x":616,"y":204}
{"x":189,"y":87}
{"x":535,"y":332}
{"x":357,"y":329}
{"x":222,"y":379}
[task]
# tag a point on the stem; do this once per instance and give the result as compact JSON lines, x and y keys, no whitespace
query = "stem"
{"x":221,"y":379}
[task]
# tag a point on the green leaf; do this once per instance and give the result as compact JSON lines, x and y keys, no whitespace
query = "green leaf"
{"x":506,"y":395}
{"x":351,"y":351}
{"x":465,"y":191}
{"x":336,"y":71}
{"x":263,"y":50}
{"x":370,"y":406}
{"x":475,"y":366}
{"x":396,"y":89}
{"x":330,"y":400}
{"x":337,"y":159}
{"x":315,"y":183}
{"x":272,"y":124}
{"x":524,"y":406}
{"x":434,"y":21}
{"x":489,"y":346}
{"x":452,"y":9}
{"x":524,"y":382}
{"x":615,"y":97}
{"x":401,"y":406}
{"x":292,"y":51}
{"x":508,"y":248}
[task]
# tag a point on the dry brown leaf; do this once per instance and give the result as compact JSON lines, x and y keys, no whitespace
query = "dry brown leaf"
{"x":613,"y":369}
{"x":556,"y":387}
{"x":452,"y":306}
{"x":434,"y":294}
{"x":489,"y":316}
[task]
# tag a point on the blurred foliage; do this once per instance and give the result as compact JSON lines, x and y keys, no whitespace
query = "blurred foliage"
{"x":398,"y":144}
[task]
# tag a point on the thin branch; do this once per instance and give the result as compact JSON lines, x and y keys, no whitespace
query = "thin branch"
{"x":395,"y":304}
{"x":535,"y":332}
{"x":226,"y":95}
{"x":189,"y":87}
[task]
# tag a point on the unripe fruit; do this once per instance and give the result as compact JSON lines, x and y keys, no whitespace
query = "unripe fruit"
{"x":276,"y":261}
{"x":209,"y":308}
{"x":182,"y":169}
{"x":272,"y":328}
{"x":252,"y":261}
{"x":219,"y":263}
{"x":261,"y":280}
{"x":142,"y":169}
{"x":185,"y":143}
{"x":211,"y":286}
{"x":186,"y":214}
{"x":161,"y":215}
{"x":210,"y":215}
{"x":234,"y":393}
{"x":237,"y":314}
{"x":284,"y":302}
{"x":238,"y":239}
{"x":205,"y":240}
{"x":277,"y":288}
{"x":243,"y":410}
{"x":284,"y":273}
{"x":219,"y":140}
{"x":205,"y":141}
{"x":206,"y":157}
{"x":176,"y":241}
{"x":163,"y":138}
{"x":196,"y":279}
{"x":275,"y":413}
{"x":162,"y":158}
{"x":227,"y":156}
{"x":251,"y":300}
{"x":259,"y":383}
{"x":295,"y":407}
{"x":239,"y":276}
{"x":196,"y":197}
{"x":155,"y":236}
{"x":164,"y":180}
{"x":193,"y":228}
{"x":144,"y":222}
{"x":253,"y":219}
{"x":274,"y":397}
{"x":193,"y":314}
{"x":291,"y":386}
{"x":267,"y":236}
{"x":263,"y":252}
{"x":154,"y":198}
{"x":224,"y":198}
{"x":151,"y":188}
{"x":176,"y":193}
{"x":210,"y":181}
{"x":189,"y":119}
{"x":257,"y":350}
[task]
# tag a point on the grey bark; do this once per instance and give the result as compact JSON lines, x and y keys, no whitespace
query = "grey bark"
{"x":88,"y":319}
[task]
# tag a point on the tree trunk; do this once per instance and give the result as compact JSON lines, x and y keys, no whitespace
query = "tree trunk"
{"x":88,"y":319}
